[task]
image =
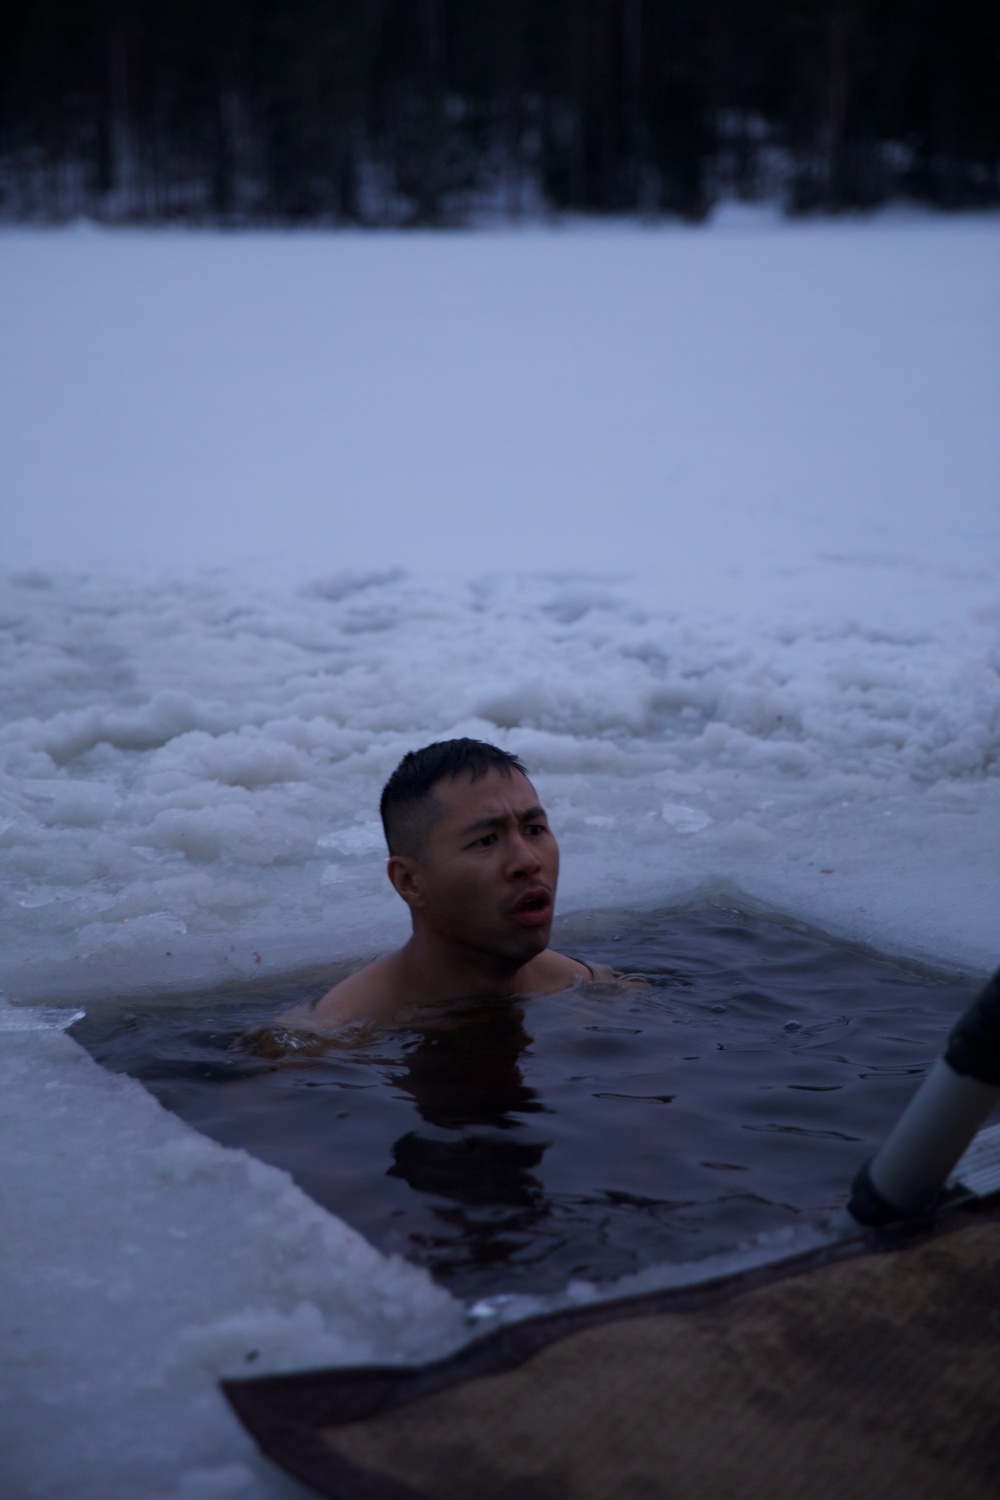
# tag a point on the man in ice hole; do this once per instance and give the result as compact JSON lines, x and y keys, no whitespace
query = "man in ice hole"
{"x":472,"y":855}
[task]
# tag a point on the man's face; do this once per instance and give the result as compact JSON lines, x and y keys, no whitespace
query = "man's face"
{"x":486,"y":879}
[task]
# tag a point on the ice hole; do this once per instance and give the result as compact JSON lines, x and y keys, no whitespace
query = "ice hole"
{"x":585,"y":1135}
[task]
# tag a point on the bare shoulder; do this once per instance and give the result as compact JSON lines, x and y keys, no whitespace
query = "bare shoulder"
{"x":556,"y":971}
{"x":369,"y":995}
{"x":603,"y":972}
{"x":577,"y":970}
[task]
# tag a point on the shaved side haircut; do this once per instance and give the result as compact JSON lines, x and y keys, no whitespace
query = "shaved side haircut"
{"x":408,"y":805}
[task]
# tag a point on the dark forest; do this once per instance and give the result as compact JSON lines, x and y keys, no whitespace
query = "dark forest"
{"x":438,"y":111}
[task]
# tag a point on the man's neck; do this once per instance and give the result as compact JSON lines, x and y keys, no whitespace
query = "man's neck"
{"x":436,"y":972}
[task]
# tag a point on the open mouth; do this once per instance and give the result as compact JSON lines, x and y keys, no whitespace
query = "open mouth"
{"x":534,"y":906}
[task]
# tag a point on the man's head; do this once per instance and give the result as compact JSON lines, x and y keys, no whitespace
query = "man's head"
{"x":408,"y":804}
{"x":471,"y":852}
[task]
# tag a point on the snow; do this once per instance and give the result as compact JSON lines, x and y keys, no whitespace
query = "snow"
{"x":151,"y":1260}
{"x":191,"y":775}
{"x":670,"y":400}
{"x":702,"y":523}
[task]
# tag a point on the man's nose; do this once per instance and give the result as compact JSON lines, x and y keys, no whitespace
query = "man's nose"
{"x":524,"y":857}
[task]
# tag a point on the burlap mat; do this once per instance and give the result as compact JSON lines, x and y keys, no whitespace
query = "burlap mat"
{"x":874,"y":1376}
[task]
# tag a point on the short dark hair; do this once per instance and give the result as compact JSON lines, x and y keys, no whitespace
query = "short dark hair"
{"x":408,"y":790}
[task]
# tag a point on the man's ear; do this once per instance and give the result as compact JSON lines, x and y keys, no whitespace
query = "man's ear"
{"x":404,"y":875}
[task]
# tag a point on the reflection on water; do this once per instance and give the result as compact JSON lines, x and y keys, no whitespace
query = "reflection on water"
{"x":583,"y":1134}
{"x":468,"y":1080}
{"x":471,"y":1074}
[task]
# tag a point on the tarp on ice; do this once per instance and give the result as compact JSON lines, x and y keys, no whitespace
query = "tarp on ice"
{"x":849,"y":1371}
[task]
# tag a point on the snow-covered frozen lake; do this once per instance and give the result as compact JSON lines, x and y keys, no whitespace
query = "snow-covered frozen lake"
{"x":703,"y":523}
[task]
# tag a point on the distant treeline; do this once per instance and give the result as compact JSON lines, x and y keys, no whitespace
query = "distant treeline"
{"x":427,"y":111}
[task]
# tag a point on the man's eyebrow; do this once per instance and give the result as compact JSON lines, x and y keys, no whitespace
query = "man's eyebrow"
{"x":483,"y":825}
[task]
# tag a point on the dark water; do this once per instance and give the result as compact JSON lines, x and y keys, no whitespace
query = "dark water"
{"x":585,"y":1134}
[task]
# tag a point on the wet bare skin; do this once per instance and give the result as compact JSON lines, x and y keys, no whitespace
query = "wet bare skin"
{"x":481,"y":894}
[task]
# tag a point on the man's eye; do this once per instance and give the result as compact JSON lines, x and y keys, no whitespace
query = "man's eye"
{"x":485,"y":841}
{"x":536,"y":828}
